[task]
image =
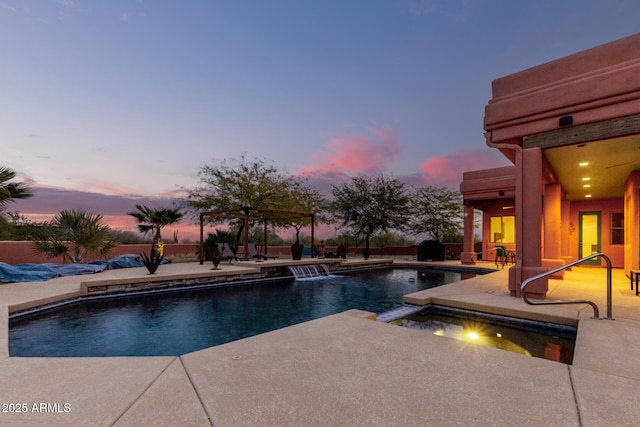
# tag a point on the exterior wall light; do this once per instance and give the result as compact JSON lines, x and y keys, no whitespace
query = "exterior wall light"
{"x":566,"y":120}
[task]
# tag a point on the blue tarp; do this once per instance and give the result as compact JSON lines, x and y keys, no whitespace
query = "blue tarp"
{"x":39,"y":272}
{"x":123,"y":261}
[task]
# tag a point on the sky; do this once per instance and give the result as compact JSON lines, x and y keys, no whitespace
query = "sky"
{"x":106,"y":104}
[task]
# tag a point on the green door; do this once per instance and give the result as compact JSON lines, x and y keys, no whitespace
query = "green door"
{"x":589,"y":236}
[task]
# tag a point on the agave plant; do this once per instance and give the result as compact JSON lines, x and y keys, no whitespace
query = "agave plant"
{"x":152,"y":264}
{"x":74,"y":235}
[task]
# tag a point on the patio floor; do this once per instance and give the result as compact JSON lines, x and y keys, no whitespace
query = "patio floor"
{"x":343,"y":369}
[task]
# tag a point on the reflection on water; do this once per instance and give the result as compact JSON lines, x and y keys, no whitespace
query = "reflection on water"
{"x":181,"y":322}
{"x":527,"y":338}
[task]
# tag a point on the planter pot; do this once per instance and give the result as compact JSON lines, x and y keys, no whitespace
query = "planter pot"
{"x":341,"y":251}
{"x":296,"y":251}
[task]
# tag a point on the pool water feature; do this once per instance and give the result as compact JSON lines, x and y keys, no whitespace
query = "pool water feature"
{"x":531,"y":338}
{"x":310,"y":272}
{"x":179,"y":322}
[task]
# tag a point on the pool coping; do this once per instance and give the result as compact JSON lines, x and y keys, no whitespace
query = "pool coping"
{"x":275,"y":370}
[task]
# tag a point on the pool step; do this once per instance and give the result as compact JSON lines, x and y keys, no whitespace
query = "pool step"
{"x":399,"y":312}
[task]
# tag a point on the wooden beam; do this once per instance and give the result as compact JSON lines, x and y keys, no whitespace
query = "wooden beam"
{"x":256,"y":218}
{"x":606,"y":129}
{"x":221,"y":211}
{"x":282,"y":211}
{"x":201,"y":254}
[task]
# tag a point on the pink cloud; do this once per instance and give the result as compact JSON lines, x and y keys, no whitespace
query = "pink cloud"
{"x":447,"y":170}
{"x":355,"y":155}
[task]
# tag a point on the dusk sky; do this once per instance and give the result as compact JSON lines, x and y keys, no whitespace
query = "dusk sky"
{"x":106,"y":104}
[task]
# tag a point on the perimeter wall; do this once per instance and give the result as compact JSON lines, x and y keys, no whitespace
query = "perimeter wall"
{"x":20,"y":252}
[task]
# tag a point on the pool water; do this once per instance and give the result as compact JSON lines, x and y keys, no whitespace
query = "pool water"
{"x":531,"y":338}
{"x":176,"y":323}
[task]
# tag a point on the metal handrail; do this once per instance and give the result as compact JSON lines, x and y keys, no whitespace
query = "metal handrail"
{"x":596,"y":312}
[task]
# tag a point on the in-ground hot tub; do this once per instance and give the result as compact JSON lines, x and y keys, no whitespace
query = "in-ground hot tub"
{"x":528,"y":337}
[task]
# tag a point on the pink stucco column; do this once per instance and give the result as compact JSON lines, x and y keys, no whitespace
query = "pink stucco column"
{"x":565,"y":241}
{"x":468,"y":255}
{"x":552,"y":218}
{"x":552,"y":255}
{"x":529,"y":186}
{"x":632,"y":222}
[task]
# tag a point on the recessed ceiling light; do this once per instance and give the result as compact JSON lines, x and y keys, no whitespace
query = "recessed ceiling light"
{"x":583,"y":164}
{"x":588,"y":196}
{"x":586,"y":178}
{"x":586,"y":186}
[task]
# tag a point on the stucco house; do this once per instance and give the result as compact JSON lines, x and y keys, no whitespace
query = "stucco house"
{"x":571,"y":128}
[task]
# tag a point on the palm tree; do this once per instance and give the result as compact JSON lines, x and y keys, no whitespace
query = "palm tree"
{"x":74,"y":235}
{"x":153,"y":220}
{"x":11,"y":190}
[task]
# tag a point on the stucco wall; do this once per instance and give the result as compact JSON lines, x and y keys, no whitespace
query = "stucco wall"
{"x":597,"y":84}
{"x":632,"y":222}
{"x":22,"y":252}
{"x":488,"y":248}
{"x":605,"y":207}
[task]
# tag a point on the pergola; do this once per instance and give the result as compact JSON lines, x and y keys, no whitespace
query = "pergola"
{"x":246,"y":215}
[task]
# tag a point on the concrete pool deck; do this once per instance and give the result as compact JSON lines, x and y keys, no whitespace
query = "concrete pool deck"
{"x":343,"y":369}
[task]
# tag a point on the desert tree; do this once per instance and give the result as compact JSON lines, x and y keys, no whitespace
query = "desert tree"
{"x":234,"y":184}
{"x":436,"y":211}
{"x":371,"y":205}
{"x":302,"y":197}
{"x":74,"y":235}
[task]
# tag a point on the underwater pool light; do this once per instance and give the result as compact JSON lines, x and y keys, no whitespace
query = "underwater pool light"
{"x":472,"y":335}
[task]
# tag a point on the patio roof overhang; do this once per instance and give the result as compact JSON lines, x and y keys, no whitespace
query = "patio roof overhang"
{"x":489,"y":187}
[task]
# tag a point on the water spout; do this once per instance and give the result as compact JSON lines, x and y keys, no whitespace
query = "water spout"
{"x":309,"y":272}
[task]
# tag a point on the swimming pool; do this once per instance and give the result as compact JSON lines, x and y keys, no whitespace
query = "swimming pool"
{"x":179,"y":322}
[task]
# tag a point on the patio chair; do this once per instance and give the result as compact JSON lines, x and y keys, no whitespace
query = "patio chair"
{"x":503,"y":256}
{"x":255,"y":253}
{"x":226,"y":252}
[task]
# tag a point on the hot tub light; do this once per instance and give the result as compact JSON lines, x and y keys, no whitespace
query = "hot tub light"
{"x":472,"y":335}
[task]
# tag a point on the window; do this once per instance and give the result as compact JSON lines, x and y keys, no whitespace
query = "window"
{"x":503,"y":229}
{"x":617,"y":228}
